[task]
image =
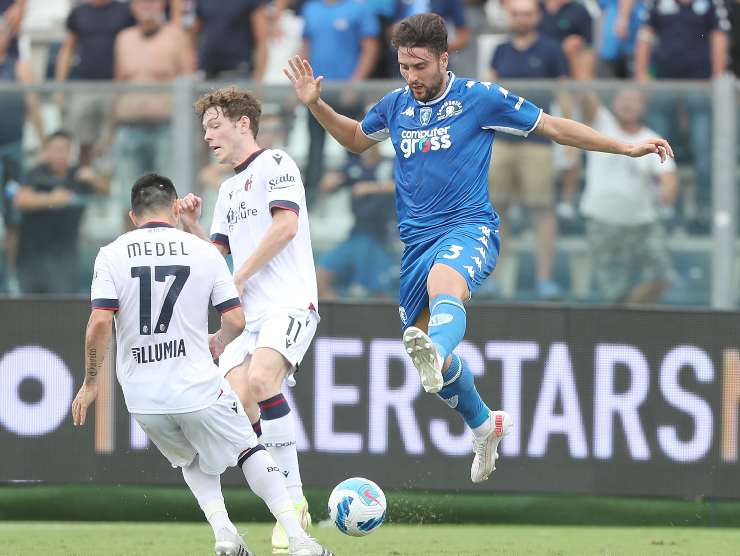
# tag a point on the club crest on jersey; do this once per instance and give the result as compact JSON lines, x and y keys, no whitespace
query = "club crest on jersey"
{"x":425,"y":115}
{"x":449,"y":109}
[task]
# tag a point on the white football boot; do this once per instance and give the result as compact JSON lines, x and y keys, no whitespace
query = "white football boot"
{"x":486,"y":446}
{"x":307,"y":546}
{"x":426,"y":359}
{"x":231,"y":544}
{"x":280,"y":542}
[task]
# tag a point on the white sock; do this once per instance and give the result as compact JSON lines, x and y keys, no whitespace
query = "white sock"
{"x":266,"y":481}
{"x":278,"y":436}
{"x":207,"y":491}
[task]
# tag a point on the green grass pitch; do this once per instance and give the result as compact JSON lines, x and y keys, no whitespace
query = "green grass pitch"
{"x":181,"y":539}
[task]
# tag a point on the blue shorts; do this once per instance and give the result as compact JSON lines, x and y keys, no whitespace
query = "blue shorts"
{"x":360,"y":259}
{"x":471,"y":249}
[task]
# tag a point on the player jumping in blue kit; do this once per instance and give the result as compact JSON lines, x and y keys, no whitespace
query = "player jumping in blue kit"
{"x":442,"y":128}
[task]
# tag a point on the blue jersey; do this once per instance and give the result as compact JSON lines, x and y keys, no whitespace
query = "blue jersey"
{"x":443,"y":150}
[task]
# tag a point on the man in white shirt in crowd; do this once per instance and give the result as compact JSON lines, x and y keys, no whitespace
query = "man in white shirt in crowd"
{"x":622,"y":202}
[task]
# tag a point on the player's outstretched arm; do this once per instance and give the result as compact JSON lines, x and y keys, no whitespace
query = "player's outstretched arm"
{"x":308,"y":90}
{"x":97,"y":339}
{"x":575,"y":134}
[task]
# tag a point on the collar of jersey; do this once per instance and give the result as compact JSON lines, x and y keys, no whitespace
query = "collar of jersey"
{"x":447,"y":90}
{"x":156,"y":224}
{"x":243,"y":166}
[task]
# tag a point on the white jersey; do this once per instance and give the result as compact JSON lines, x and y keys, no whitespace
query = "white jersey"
{"x":267,"y":180}
{"x":619,"y":189}
{"x":159,"y":281}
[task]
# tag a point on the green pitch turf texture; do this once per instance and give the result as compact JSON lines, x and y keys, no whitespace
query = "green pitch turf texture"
{"x":163,"y":539}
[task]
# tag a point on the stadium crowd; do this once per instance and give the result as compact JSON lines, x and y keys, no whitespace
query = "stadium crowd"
{"x":67,"y":161}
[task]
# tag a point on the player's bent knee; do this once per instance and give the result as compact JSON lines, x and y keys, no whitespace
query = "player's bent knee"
{"x":445,"y":280}
{"x":262,"y":384}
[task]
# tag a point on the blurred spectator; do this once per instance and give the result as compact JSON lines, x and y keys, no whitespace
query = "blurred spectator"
{"x":15,"y":108}
{"x":620,"y":20}
{"x":87,"y":54}
{"x":523,"y":171}
{"x":151,"y":51}
{"x":232,"y":38}
{"x":13,"y":12}
{"x":622,"y":201}
{"x":734,"y":17}
{"x":340,"y":40}
{"x":362,"y":260}
{"x":569,"y":23}
{"x":686,"y":39}
{"x":459,"y":36}
{"x":51,"y":202}
{"x":497,"y":16}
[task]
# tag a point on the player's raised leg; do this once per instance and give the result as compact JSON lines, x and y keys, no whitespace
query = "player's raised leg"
{"x":267,"y":372}
{"x":446,"y":320}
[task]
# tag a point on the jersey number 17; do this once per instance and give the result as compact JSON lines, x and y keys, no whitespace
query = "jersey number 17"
{"x":144,"y":274}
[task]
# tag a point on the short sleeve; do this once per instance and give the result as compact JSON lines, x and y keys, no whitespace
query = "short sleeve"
{"x":220,"y":225}
{"x":649,"y":15}
{"x":559,"y":63}
{"x":717,"y":17}
{"x":496,"y":57}
{"x":72,"y":24}
{"x":501,"y":110}
{"x":103,"y":292}
{"x":369,"y":25}
{"x":283,"y":182}
{"x":307,"y":20}
{"x":224,"y":295}
{"x":375,"y":123}
{"x":457,"y":13}
{"x":584,"y":24}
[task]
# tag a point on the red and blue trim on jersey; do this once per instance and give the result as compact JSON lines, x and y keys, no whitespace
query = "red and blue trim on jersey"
{"x":105,"y":304}
{"x":228,"y":305}
{"x":286,"y":205}
{"x":221,"y":239}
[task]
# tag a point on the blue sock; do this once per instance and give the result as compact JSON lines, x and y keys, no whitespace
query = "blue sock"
{"x":446,"y":323}
{"x":460,"y":394}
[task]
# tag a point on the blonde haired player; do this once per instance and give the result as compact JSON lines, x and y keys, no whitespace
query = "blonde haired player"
{"x":158,"y":280}
{"x":261,"y":219}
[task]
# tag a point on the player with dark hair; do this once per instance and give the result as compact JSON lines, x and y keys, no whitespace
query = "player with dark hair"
{"x":157,"y":281}
{"x":442,"y":128}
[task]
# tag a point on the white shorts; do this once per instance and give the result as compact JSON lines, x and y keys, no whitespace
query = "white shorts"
{"x":287,"y":331}
{"x":217,"y":434}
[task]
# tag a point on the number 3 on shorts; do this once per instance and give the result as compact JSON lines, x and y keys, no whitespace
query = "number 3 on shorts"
{"x":454,"y":253}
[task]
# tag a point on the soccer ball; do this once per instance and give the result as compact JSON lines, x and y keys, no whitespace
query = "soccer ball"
{"x":357,"y":506}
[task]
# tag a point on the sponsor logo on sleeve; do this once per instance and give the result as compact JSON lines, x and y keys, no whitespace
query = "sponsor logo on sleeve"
{"x":282,"y":182}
